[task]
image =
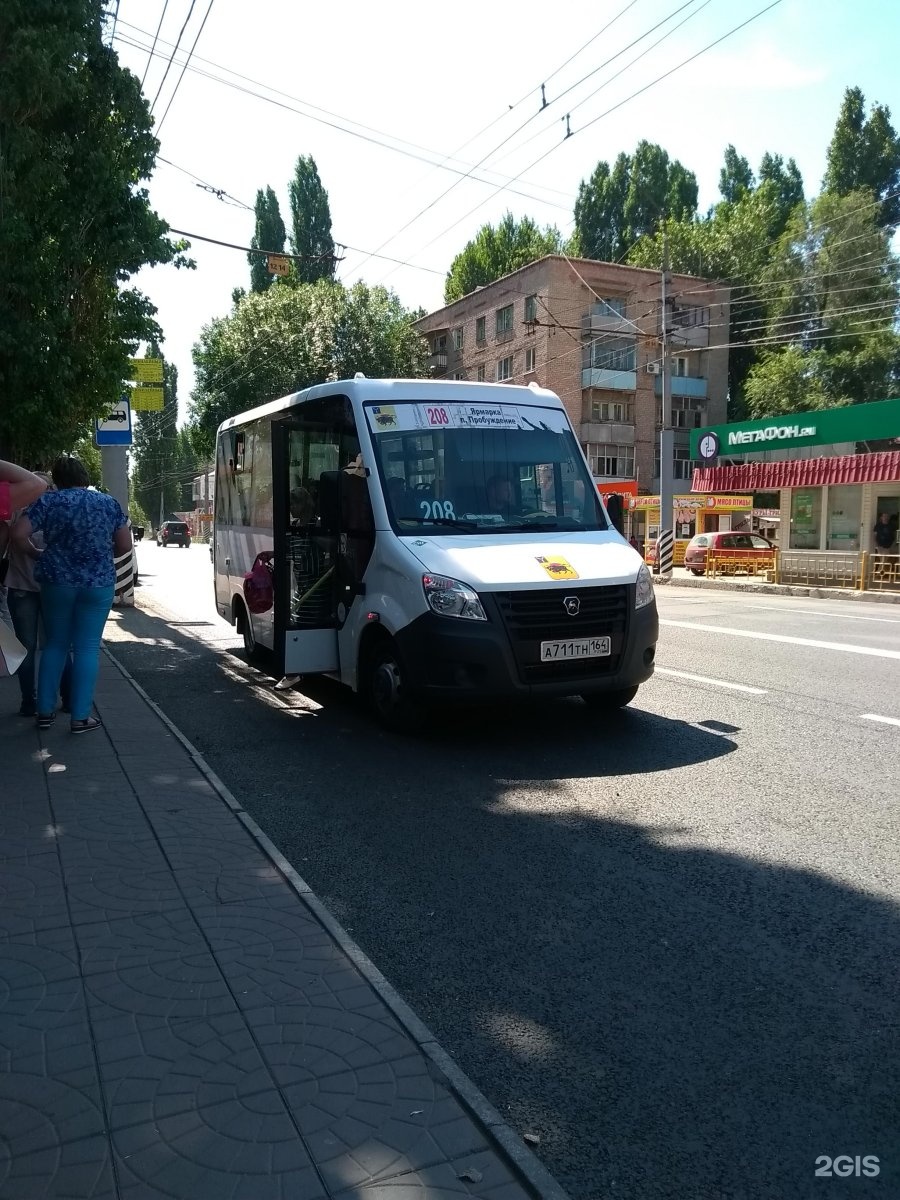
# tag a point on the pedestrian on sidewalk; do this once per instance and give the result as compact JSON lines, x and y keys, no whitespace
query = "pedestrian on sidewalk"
{"x":82,"y":529}
{"x":885,"y":532}
{"x":18,"y":487}
{"x":24,"y":602}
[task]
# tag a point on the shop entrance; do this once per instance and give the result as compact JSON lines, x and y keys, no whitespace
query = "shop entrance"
{"x":891,"y":506}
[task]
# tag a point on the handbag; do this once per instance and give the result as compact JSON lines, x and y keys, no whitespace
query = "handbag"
{"x":12,"y":652}
{"x":259,"y":590}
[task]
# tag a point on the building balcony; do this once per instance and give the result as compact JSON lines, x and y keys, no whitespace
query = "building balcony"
{"x":598,"y":377}
{"x":607,"y":432}
{"x":606,"y":322}
{"x":438,"y":362}
{"x":683,"y":385}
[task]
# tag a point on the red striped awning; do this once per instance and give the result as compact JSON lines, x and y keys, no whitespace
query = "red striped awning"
{"x":802,"y":472}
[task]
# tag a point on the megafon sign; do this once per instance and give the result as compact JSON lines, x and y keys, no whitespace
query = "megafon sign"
{"x":830,"y":426}
{"x":770,"y":433}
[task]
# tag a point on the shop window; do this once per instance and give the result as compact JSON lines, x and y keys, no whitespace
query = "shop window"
{"x":806,"y":518}
{"x":844,"y":513}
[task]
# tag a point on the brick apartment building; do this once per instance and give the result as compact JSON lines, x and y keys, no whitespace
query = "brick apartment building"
{"x":590,"y":331}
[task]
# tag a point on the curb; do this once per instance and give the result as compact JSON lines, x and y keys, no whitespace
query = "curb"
{"x":531,"y":1170}
{"x":779,"y":589}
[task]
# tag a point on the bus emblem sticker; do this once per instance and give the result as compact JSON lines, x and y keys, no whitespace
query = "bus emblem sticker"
{"x":557,"y":568}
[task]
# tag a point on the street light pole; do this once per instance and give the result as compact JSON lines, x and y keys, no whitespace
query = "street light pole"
{"x":665,"y":546}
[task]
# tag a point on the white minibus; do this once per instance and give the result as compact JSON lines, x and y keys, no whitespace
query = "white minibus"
{"x":428,"y":541}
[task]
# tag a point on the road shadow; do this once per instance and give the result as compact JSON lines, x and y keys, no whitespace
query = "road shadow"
{"x":670,"y":1021}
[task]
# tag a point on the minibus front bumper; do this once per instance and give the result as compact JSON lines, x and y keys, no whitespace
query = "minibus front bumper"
{"x":453,"y":659}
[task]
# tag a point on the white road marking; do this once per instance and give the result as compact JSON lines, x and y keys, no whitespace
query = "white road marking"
{"x":725,"y":683}
{"x":820,"y":612}
{"x":843,"y":647}
{"x":883,"y":720}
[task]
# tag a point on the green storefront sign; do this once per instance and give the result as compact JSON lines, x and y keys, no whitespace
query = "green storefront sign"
{"x":855,"y":423}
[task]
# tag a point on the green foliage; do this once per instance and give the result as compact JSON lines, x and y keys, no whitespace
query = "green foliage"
{"x":786,"y":381}
{"x":310,"y":224}
{"x":85,"y":449}
{"x":864,"y":153}
{"x":736,"y":177}
{"x":495,"y":251}
{"x":75,"y":223}
{"x":289,"y":338}
{"x":616,"y":207}
{"x":786,"y":189}
{"x":154,"y":473}
{"x":269,"y":234}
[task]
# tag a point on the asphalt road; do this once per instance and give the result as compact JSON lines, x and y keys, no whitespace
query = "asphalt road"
{"x":667,"y":942}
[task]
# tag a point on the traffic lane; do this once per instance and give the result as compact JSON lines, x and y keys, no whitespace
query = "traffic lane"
{"x":556,"y":896}
{"x":844,"y":683}
{"x":873,"y":625}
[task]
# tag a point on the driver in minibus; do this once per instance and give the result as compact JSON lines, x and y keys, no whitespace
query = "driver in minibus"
{"x":501,"y":497}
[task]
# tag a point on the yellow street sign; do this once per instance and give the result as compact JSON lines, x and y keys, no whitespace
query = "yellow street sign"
{"x":146,"y":370}
{"x":278,"y":265}
{"x":146,"y":398}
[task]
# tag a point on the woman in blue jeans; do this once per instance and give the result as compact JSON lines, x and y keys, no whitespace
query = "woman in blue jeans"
{"x":82,"y":530}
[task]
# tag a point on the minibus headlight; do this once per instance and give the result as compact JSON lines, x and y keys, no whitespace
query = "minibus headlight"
{"x":450,"y":598}
{"x":643,"y":593}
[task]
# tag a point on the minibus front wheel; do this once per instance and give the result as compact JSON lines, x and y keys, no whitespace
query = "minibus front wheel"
{"x":386,"y":689}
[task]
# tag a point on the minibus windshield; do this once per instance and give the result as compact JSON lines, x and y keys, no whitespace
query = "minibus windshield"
{"x":475,"y":468}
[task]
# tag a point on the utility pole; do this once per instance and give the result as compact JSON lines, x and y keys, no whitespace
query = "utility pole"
{"x":665,"y":547}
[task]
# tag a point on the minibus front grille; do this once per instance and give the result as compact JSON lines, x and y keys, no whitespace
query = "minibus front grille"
{"x":543,"y":615}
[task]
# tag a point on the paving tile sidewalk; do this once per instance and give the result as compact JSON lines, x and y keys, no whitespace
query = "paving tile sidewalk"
{"x":176,"y":1018}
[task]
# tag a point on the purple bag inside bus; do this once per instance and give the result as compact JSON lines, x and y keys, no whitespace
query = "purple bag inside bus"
{"x":259,"y":590}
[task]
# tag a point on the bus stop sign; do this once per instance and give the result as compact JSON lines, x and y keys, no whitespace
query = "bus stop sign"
{"x":115,"y":428}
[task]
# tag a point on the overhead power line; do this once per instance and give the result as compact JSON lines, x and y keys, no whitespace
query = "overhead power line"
{"x":162,"y":17}
{"x":172,"y":56}
{"x":572,"y":133}
{"x":184,"y":67}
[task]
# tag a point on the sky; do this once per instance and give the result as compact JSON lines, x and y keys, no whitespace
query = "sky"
{"x":398,"y":101}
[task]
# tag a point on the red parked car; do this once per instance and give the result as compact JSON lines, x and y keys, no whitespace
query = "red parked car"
{"x":740,"y":545}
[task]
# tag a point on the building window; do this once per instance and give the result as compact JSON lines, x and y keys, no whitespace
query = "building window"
{"x":504,"y":369}
{"x":844,"y":517}
{"x":480,"y":336}
{"x":531,"y":308}
{"x":608,"y":308}
{"x":439,"y":345}
{"x":682,"y":468}
{"x":612,"y":354}
{"x":458,"y":338}
{"x":504,"y":320}
{"x":613,"y":410}
{"x":530,"y":355}
{"x":680,"y":368}
{"x":689,"y":315}
{"x":806,"y":518}
{"x":687,"y":413}
{"x":613,"y":462}
{"x":459,"y":374}
{"x":479,"y":373}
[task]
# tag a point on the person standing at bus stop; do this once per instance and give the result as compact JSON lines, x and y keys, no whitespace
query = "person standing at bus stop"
{"x":82,"y":529}
{"x":885,"y":532}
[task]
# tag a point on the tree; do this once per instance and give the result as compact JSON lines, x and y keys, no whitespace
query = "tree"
{"x":835,"y":294}
{"x":615,"y":208}
{"x":736,"y":177}
{"x":787,"y":189}
{"x":310,"y":223}
{"x":864,"y":153}
{"x":497,"y":250}
{"x":154,"y":473}
{"x":75,"y":223}
{"x":269,"y":234}
{"x":786,"y":381}
{"x":286,"y":339}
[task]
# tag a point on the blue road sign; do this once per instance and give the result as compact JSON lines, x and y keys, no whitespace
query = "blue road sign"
{"x":115,"y":428}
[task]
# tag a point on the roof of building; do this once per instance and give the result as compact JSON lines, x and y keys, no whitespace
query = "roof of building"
{"x":572,"y":262}
{"x":880,"y":467}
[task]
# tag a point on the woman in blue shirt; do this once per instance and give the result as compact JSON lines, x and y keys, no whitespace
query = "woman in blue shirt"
{"x":82,"y":530}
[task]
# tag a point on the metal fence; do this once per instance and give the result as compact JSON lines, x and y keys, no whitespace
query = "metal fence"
{"x":863,"y":571}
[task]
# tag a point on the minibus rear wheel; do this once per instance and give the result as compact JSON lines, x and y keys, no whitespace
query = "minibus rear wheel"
{"x":386,"y":690}
{"x":610,"y":700}
{"x":252,"y":648}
